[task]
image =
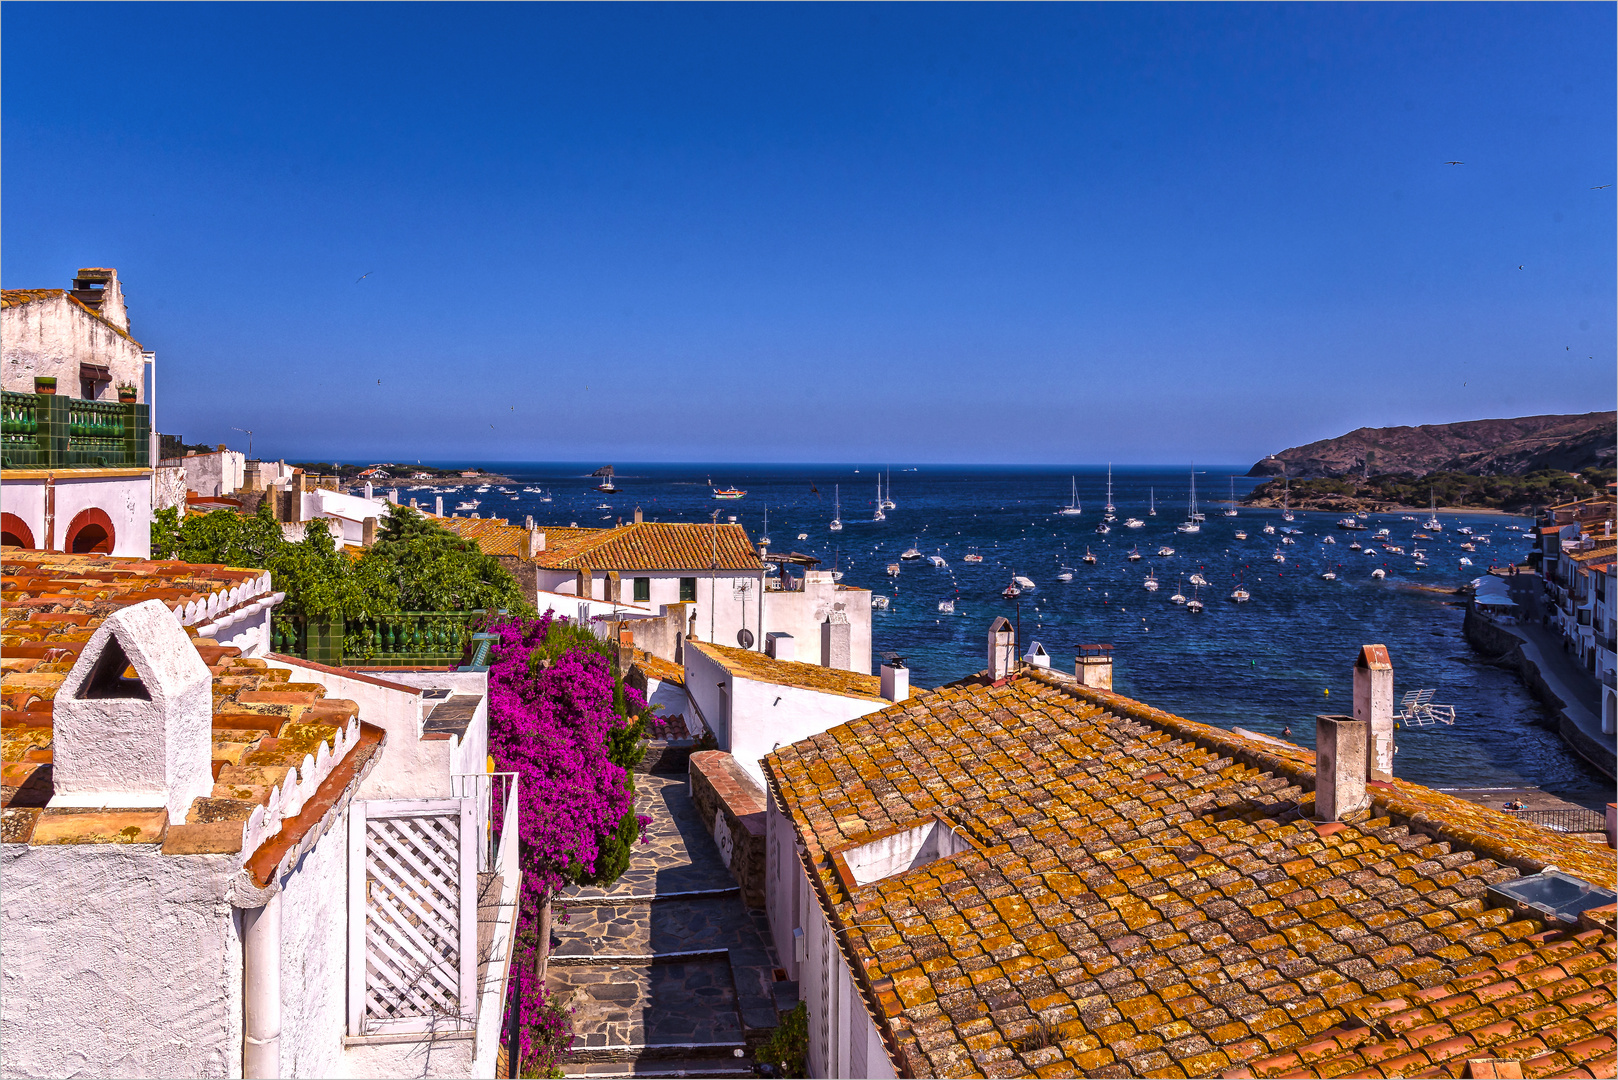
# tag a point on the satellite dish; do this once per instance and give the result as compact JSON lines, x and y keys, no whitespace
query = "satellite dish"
{"x":744,"y":638}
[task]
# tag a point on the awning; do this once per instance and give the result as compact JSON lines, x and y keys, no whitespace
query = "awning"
{"x":94,"y":373}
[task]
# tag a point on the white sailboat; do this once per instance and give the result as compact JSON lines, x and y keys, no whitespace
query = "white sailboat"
{"x":1072,"y":509}
{"x":887,"y":502}
{"x":837,"y":509}
{"x":1286,"y":491}
{"x":1432,"y":523}
{"x":1230,"y":511}
{"x":879,"y":515}
{"x":1179,"y":594}
{"x":1193,"y":520}
{"x":1150,"y":584}
{"x":1240,"y":595}
{"x":1151,"y":502}
{"x":1110,"y":511}
{"x":764,"y":541}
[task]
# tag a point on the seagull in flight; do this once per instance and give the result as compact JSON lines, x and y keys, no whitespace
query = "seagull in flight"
{"x":363,"y":276}
{"x":1454,"y":163}
{"x":1603,"y":187}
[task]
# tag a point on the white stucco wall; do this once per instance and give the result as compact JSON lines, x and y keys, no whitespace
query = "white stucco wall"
{"x":217,"y":473}
{"x":800,"y":614}
{"x":761,"y":715}
{"x":118,"y":960}
{"x":52,"y":337}
{"x":314,"y":956}
{"x":126,"y":500}
{"x":728,"y":616}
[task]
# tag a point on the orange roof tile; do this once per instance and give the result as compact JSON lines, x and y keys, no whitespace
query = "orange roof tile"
{"x":497,"y":536}
{"x":1147,"y":896}
{"x":747,"y":664}
{"x":652,"y":545}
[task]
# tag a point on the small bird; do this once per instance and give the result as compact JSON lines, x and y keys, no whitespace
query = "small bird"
{"x":1519,"y":266}
{"x":1603,"y":187}
{"x":1454,"y":163}
{"x":363,"y":276}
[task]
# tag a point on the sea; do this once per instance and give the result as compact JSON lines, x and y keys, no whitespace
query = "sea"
{"x":1270,"y":664}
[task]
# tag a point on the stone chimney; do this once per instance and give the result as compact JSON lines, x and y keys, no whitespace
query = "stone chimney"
{"x":780,"y":646}
{"x":528,"y":522}
{"x":143,"y":741}
{"x":895,"y":680}
{"x":368,"y":532}
{"x":1340,"y":743}
{"x":1092,"y":666}
{"x":536,"y":539}
{"x":1002,"y":649}
{"x":1373,"y":706}
{"x":97,"y":288}
{"x":835,"y":649}
{"x":438,"y":505}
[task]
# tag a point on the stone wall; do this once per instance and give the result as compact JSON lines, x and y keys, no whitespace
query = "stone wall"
{"x":730,"y":804}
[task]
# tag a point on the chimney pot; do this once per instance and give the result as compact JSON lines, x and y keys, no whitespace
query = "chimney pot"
{"x":1373,"y":706}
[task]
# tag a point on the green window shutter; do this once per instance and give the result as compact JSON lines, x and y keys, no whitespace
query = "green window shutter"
{"x":643,"y":590}
{"x":688,"y":588}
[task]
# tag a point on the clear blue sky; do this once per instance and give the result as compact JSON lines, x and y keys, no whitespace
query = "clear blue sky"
{"x":843,"y":232}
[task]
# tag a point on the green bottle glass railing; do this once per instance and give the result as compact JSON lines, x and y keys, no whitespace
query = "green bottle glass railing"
{"x":45,"y":431}
{"x":427,"y":638}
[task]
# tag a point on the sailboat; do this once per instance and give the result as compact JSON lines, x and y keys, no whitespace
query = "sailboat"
{"x":1151,"y":502}
{"x":1179,"y":594}
{"x":1230,"y":511}
{"x":1072,"y":508}
{"x":1193,"y":520}
{"x":1150,"y":584}
{"x":1134,"y":554}
{"x":1110,"y":511}
{"x":1195,"y":603}
{"x":1089,"y":559}
{"x":764,"y":541}
{"x":879,"y":515}
{"x":837,"y":509}
{"x":886,"y":502}
{"x":1432,"y":524}
{"x":1286,"y":493}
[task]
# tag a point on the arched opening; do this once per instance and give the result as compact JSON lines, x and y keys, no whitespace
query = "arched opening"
{"x":14,"y":532}
{"x":90,"y":533}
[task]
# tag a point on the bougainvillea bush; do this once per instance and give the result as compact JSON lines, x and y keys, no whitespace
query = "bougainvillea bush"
{"x":558,"y":716}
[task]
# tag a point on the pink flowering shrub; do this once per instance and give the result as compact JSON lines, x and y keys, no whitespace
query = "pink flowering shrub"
{"x":558,"y":718}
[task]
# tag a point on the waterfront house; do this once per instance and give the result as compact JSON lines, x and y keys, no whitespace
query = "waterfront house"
{"x":1020,"y":874}
{"x":76,"y":473}
{"x":223,"y":862}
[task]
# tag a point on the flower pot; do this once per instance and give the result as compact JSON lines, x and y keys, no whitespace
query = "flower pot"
{"x":44,"y":385}
{"x":126,"y":398}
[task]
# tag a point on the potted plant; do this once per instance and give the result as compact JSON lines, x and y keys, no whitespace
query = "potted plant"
{"x":126,"y":393}
{"x":44,"y":384}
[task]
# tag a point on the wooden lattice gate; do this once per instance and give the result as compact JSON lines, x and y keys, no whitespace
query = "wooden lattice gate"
{"x":412,"y":909}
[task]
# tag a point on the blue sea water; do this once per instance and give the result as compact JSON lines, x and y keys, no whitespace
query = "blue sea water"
{"x":1267,"y":665}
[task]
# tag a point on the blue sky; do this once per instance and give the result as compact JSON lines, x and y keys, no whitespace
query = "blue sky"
{"x":846,"y":232}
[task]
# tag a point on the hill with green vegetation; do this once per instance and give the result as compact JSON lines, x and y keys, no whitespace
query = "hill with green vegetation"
{"x":1378,"y":494}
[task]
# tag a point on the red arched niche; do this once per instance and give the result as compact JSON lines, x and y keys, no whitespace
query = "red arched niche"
{"x":90,"y":533}
{"x":14,"y":532}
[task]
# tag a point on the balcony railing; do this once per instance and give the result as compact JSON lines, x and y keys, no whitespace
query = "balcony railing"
{"x":44,"y":431}
{"x":404,"y":639}
{"x":1566,"y":821}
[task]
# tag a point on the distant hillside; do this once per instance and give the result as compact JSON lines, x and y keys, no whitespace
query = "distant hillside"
{"x":1516,"y":447}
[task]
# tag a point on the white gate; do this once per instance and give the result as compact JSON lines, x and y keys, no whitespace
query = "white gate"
{"x":412,"y":911}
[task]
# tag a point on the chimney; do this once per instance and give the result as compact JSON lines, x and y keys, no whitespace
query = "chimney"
{"x":1036,"y":656}
{"x":780,"y":646}
{"x":1340,"y":743}
{"x":368,"y":489}
{"x":895,"y":680}
{"x":141,"y":741}
{"x":835,"y":650}
{"x":536,"y":539}
{"x":1373,"y":706}
{"x":368,"y":532}
{"x":1002,"y":649}
{"x":638,"y":518}
{"x":97,"y":288}
{"x":438,"y":505}
{"x":585,"y":585}
{"x":1092,"y":666}
{"x":528,"y":522}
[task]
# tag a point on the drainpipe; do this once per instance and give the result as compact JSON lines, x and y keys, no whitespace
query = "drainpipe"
{"x":261,"y":996}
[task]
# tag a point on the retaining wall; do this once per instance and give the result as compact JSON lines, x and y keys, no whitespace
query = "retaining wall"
{"x":730,"y":804}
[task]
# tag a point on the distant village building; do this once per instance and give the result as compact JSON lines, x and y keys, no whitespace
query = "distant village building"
{"x":1578,"y":553}
{"x":218,"y":861}
{"x":77,"y":452}
{"x":1018,"y":874}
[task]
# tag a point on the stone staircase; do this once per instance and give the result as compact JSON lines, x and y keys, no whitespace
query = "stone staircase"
{"x":667,"y":972}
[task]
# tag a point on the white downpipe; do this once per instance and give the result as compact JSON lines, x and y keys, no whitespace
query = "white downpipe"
{"x":261,"y":997}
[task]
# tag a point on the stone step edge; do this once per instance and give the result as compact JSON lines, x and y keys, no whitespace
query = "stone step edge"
{"x":585,"y":1055}
{"x":670,"y":1074}
{"x":646,"y":898}
{"x":633,"y":959}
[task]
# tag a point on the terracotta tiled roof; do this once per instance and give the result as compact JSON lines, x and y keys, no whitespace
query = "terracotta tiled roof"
{"x":652,"y":545}
{"x":497,"y":536}
{"x":1595,"y":554}
{"x":746,"y":664}
{"x":264,"y":723}
{"x":10,"y":298}
{"x":655,"y":667}
{"x":1146,"y":896}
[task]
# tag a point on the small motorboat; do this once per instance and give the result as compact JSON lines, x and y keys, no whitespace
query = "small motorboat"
{"x":1278,"y":556}
{"x":726,"y":493}
{"x":947,"y":607}
{"x":1349,"y":523}
{"x":1134,"y":523}
{"x":1328,"y":576}
{"x":893,"y":569}
{"x":1466,"y":561}
{"x":879,"y":602}
{"x":1269,"y":530}
{"x":603,"y":506}
{"x":1089,"y":559}
{"x":1198,"y":580}
{"x":1328,"y":540}
{"x":1240,"y":535}
{"x":1379,"y":573}
{"x":1240,"y":595}
{"x":911,"y":554}
{"x":1025,"y":584}
{"x":1288,"y":540}
{"x":1011,"y":592}
{"x":803,"y":536}
{"x":1355,"y":546}
{"x":472,"y":504}
{"x":1469,"y":547}
{"x":1165,"y":551}
{"x":1103,"y":528}
{"x":1065,"y":575}
{"x":937,"y":560}
{"x":972,"y":556}
{"x":1134,"y":555}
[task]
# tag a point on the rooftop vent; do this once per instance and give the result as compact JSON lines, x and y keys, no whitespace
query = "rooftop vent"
{"x":898,"y":851}
{"x":1556,"y":896}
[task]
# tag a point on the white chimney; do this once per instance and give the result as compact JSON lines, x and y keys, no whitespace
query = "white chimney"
{"x":438,"y":506}
{"x":536,"y":539}
{"x":368,"y":490}
{"x":1092,"y":666}
{"x":780,"y":646}
{"x":1002,"y":649}
{"x":1373,"y":706}
{"x":1339,"y":766}
{"x":142,"y":741}
{"x":835,"y":636}
{"x":1036,"y":656}
{"x":895,"y":680}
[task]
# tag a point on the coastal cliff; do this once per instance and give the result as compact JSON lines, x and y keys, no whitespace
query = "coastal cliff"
{"x":1516,"y":447}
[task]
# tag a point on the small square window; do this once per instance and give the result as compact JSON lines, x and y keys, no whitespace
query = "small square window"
{"x":688,"y":588}
{"x":643,"y":590}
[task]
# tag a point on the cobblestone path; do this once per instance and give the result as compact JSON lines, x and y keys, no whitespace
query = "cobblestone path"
{"x":667,"y":972}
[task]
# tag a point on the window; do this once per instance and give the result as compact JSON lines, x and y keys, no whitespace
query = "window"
{"x":643,"y":590}
{"x":688,"y":588}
